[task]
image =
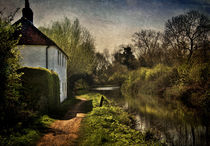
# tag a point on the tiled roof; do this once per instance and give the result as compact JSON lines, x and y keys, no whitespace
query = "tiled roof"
{"x":33,"y":36}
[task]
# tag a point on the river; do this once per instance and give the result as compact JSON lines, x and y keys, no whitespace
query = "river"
{"x":169,"y":119}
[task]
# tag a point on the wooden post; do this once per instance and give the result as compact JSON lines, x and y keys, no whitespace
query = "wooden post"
{"x":101,"y":102}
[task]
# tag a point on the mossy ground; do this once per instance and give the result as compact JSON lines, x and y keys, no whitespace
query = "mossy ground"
{"x":110,"y":125}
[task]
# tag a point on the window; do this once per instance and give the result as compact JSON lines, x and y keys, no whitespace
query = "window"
{"x":58,"y":57}
{"x":62,"y":60}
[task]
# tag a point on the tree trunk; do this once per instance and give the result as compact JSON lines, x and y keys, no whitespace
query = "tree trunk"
{"x":193,"y":135}
{"x":191,"y":49}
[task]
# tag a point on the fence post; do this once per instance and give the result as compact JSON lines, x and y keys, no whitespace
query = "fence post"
{"x":101,"y":102}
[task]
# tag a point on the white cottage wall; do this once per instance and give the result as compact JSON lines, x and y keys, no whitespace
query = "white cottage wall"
{"x":33,"y":55}
{"x":36,"y":55}
{"x":57,"y":62}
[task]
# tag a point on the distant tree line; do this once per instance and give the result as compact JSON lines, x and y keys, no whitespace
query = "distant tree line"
{"x":184,"y":35}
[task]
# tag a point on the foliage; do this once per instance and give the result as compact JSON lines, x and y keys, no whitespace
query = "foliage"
{"x":148,"y":45}
{"x":149,"y":81}
{"x":112,"y":73}
{"x":110,"y":125}
{"x":45,"y":120}
{"x":194,"y":79}
{"x":186,"y":33}
{"x":76,"y":42}
{"x":15,"y":109}
{"x":28,"y":136}
{"x":188,"y":83}
{"x":126,"y":58}
{"x":174,"y":64}
{"x":78,"y":82}
{"x":101,"y":67}
{"x":10,"y":105}
{"x":26,"y":129}
{"x":34,"y":81}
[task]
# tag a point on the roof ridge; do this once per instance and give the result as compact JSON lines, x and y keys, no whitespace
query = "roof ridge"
{"x":48,"y":41}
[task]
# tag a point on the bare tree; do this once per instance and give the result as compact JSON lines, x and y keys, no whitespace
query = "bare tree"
{"x":146,"y":41}
{"x":148,"y":46}
{"x":184,"y":33}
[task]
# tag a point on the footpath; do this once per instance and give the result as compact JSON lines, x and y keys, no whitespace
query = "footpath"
{"x":65,"y":132}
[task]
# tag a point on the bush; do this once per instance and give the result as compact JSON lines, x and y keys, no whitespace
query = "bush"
{"x":10,"y":97}
{"x":28,"y":136}
{"x":149,"y":80}
{"x":41,"y":89}
{"x":199,"y":73}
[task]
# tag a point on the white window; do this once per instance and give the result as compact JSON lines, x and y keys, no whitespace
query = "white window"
{"x":58,"y":57}
{"x":62,"y":60}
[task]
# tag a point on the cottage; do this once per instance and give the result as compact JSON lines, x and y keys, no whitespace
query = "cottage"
{"x":40,"y":51}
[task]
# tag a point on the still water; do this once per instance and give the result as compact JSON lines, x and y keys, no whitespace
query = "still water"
{"x":168,"y":119}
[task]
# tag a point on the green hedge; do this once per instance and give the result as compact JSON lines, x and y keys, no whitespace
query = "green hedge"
{"x":41,"y":88}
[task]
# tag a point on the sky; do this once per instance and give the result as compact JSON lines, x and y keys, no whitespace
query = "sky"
{"x":110,"y":22}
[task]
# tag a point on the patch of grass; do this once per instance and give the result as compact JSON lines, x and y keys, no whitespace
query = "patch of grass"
{"x":25,"y":138}
{"x":110,"y":125}
{"x":27,"y":135}
{"x":46,"y":121}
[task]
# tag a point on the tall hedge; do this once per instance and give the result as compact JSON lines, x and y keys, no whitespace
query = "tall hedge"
{"x":41,"y":88}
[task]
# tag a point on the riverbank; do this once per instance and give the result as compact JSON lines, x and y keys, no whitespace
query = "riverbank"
{"x":172,"y":99}
{"x":106,"y":125}
{"x":111,"y":125}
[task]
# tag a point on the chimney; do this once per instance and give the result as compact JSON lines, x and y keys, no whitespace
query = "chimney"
{"x":27,"y":12}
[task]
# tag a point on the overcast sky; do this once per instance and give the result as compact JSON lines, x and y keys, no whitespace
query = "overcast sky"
{"x":111,"y":22}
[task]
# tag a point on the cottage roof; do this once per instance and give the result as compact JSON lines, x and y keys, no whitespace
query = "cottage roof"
{"x":30,"y":35}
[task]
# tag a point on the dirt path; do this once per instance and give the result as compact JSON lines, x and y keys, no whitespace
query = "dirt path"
{"x":65,"y":132}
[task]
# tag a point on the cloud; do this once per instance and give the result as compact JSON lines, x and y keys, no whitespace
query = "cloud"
{"x":112,"y":22}
{"x":131,"y":2}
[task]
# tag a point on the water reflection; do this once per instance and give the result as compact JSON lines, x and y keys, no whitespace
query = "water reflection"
{"x":105,"y":88}
{"x":177,"y":125}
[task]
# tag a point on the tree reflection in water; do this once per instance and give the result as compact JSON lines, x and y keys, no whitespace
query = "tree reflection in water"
{"x":176,"y":124}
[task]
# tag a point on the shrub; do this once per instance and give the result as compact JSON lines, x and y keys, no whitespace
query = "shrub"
{"x":199,"y":73}
{"x":118,"y":78}
{"x":149,"y":80}
{"x":28,"y":136}
{"x":41,"y":89}
{"x":10,"y":97}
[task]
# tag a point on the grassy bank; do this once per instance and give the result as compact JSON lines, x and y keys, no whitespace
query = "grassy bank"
{"x":188,"y":83}
{"x":110,"y":125}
